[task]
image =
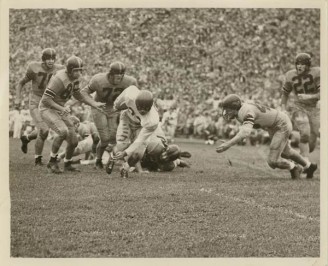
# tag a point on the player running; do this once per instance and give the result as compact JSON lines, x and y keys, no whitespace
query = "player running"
{"x":54,"y":112}
{"x":107,"y":87}
{"x":304,"y":81}
{"x":39,"y":73}
{"x":278,"y":125}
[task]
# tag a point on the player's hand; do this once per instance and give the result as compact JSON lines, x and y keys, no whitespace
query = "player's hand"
{"x":119,"y":155}
{"x":223,"y":147}
{"x":66,"y":111}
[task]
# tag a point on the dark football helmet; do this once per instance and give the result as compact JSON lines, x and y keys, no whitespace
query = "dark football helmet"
{"x":144,"y":101}
{"x":116,"y":72}
{"x":230,"y":106}
{"x":48,"y":53}
{"x":303,"y":59}
{"x":74,"y":63}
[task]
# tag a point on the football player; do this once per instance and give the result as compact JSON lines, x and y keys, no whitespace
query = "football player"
{"x":140,"y":110}
{"x":278,"y":125}
{"x":304,"y":81}
{"x":159,"y":156}
{"x":39,"y":73}
{"x":88,"y":138}
{"x":53,"y":111}
{"x":107,"y":87}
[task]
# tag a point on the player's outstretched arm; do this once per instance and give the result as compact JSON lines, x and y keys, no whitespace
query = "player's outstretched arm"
{"x":244,"y":131}
{"x":85,"y":98}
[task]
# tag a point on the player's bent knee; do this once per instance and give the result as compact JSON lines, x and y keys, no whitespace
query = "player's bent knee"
{"x":272,"y":163}
{"x":43,"y":134}
{"x":63,"y":133}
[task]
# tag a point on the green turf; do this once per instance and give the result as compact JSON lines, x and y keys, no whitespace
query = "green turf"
{"x":213,"y":209}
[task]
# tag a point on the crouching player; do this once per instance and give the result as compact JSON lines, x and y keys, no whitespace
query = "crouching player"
{"x":162,"y":157}
{"x":278,"y":125}
{"x":88,"y":138}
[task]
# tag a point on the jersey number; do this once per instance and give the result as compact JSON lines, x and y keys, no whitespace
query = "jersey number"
{"x":133,"y":113}
{"x":109,"y":91}
{"x":69,"y":90}
{"x":307,"y":85}
{"x":262,"y":108}
{"x":45,"y":79}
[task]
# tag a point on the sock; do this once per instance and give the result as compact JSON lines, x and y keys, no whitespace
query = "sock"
{"x":308,"y":163}
{"x":37,"y":156}
{"x":291,"y":165}
{"x":67,"y":160}
{"x":53,"y":155}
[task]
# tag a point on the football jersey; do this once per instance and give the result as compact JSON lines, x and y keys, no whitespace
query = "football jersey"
{"x":257,"y":115}
{"x":309,"y":83}
{"x":107,"y":92}
{"x":61,"y":88}
{"x":40,"y":76}
{"x":128,"y":97}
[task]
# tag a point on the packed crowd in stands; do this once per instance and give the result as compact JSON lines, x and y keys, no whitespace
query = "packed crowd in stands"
{"x":191,"y":57}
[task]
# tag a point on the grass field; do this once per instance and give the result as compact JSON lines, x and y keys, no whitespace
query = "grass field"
{"x":213,"y":209}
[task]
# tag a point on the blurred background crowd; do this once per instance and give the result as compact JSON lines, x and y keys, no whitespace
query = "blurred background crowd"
{"x":189,"y":58}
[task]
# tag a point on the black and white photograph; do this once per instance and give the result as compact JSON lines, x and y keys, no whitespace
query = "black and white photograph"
{"x":165,"y":131}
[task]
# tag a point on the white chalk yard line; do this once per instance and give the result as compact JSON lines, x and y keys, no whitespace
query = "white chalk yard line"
{"x":263,"y":207}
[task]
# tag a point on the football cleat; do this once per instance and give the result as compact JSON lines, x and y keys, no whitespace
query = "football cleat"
{"x":53,"y":167}
{"x":99,"y":164}
{"x":185,"y":154}
{"x":69,"y":168}
{"x":38,"y":161}
{"x":124,"y":173}
{"x":183,"y":164}
{"x":296,"y":172}
{"x":24,"y":141}
{"x":110,"y":164}
{"x":309,"y":171}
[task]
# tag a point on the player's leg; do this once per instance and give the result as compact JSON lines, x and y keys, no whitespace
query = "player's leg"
{"x":102,"y":126}
{"x":56,"y":123}
{"x":302,"y":124}
{"x":308,"y":167}
{"x":113,"y":124}
{"x":278,"y":143}
{"x":72,"y":142}
{"x":123,"y":136}
{"x":314,"y":119}
{"x":43,"y":131}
